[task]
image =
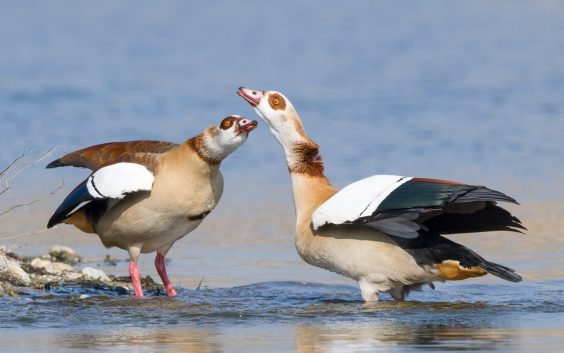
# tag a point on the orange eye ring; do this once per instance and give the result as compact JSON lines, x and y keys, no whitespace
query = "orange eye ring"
{"x":276,"y":101}
{"x":227,"y":123}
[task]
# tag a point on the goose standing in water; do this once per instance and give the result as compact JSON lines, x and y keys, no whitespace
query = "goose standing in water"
{"x":145,"y":195}
{"x":385,"y":231}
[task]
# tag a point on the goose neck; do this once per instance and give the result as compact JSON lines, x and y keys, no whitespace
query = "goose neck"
{"x":191,"y":157}
{"x":309,"y":193}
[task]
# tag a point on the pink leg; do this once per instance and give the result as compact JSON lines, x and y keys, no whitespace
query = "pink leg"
{"x":160,"y":265}
{"x":135,"y":274}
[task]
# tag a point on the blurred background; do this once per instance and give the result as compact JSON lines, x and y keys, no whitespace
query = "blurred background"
{"x":465,"y":91}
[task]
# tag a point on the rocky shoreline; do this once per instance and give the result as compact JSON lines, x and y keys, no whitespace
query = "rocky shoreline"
{"x":54,"y":272}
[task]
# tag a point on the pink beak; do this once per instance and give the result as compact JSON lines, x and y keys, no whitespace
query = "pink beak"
{"x":253,"y":97}
{"x":246,"y":125}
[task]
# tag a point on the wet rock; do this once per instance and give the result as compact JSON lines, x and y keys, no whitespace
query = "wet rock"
{"x":11,"y":271}
{"x":32,"y":270}
{"x":37,"y":262}
{"x":61,"y":248}
{"x":121,"y":289}
{"x":39,"y":267}
{"x":73,"y":276}
{"x":94,"y":274}
{"x":6,"y":261}
{"x":19,"y":273}
{"x":60,"y":267}
{"x":64,"y":254}
{"x":122,"y":279}
{"x":15,"y":257}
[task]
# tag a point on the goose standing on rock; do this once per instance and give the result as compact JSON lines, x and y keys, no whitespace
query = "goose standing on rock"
{"x":145,"y":195}
{"x":384,"y":231}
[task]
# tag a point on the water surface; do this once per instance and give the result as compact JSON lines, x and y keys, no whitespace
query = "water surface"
{"x":466,"y":91}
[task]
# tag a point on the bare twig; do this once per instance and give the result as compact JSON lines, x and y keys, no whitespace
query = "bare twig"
{"x":13,"y":248}
{"x":14,"y":162}
{"x":5,"y":260}
{"x":40,"y":231}
{"x":34,"y":201}
{"x":29,"y":163}
{"x":16,"y":167}
{"x":199,"y":284}
{"x":6,"y":189}
{"x":10,"y":169}
{"x":19,"y":246}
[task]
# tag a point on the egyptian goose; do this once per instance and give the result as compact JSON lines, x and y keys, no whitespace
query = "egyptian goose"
{"x":145,"y":195}
{"x":384,"y":231}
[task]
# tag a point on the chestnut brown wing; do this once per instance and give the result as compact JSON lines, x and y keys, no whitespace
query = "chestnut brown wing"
{"x":94,"y":156}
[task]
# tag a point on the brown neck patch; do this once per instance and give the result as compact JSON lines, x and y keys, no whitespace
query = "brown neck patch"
{"x":198,"y":144}
{"x":307,"y":160}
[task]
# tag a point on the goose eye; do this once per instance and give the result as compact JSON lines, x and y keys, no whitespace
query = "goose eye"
{"x":276,"y":101}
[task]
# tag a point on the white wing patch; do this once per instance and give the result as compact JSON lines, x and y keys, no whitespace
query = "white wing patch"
{"x":357,"y":200}
{"x":116,"y":180}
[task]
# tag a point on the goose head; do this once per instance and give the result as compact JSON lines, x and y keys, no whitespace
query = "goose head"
{"x":278,"y":114}
{"x":220,"y":141}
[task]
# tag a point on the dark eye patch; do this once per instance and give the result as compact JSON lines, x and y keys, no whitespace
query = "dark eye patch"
{"x":281,"y":102}
{"x":228,"y":122}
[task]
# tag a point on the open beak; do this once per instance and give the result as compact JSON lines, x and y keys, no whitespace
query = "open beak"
{"x":253,"y":97}
{"x":246,"y":125}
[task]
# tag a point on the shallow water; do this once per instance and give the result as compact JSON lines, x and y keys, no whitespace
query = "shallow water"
{"x":466,"y":91}
{"x":288,"y":316}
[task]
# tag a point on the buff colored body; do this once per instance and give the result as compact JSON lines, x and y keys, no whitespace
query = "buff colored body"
{"x":185,"y":190}
{"x":143,"y":196}
{"x":366,"y":255}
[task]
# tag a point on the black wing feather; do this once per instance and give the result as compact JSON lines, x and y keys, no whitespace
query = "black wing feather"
{"x":430,"y":248}
{"x":420,"y":197}
{"x":490,"y":218}
{"x":79,"y":195}
{"x":485,"y":194}
{"x":434,"y":249}
{"x":415,"y":194}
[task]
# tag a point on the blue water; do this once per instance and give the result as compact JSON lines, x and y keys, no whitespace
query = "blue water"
{"x":469,"y":91}
{"x":466,"y":91}
{"x":287,"y":317}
